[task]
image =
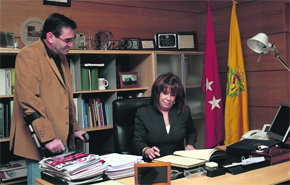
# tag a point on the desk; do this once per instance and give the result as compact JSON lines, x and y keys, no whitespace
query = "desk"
{"x":268,"y":175}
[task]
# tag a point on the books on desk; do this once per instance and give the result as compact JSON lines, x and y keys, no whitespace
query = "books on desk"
{"x":192,"y":158}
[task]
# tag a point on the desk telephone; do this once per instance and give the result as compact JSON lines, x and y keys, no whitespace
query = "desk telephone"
{"x":257,"y":134}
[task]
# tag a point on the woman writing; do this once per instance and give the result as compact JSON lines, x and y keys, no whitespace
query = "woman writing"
{"x":162,"y":126}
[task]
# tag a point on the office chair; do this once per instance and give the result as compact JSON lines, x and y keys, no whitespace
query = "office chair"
{"x":124,"y":111}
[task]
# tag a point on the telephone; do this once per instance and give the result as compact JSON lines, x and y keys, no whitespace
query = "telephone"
{"x":257,"y":134}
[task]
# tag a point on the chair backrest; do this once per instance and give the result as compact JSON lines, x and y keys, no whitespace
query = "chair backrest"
{"x":124,"y":111}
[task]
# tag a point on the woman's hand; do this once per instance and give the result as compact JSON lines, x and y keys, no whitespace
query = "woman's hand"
{"x":151,"y":153}
{"x":189,"y":147}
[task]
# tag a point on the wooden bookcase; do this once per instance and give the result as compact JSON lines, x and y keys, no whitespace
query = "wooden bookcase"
{"x":146,"y":63}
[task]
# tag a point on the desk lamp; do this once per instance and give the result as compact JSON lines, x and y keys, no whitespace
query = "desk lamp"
{"x":259,"y":44}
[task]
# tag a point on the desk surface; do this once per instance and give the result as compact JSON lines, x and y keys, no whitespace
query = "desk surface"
{"x":268,"y":175}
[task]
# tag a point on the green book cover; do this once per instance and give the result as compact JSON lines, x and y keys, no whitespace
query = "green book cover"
{"x":94,"y":75}
{"x":85,"y":79}
{"x":12,"y":79}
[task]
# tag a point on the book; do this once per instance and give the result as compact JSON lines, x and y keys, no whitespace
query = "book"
{"x":179,"y":161}
{"x":8,"y":81}
{"x":12,"y":80}
{"x":94,"y":65}
{"x":192,"y":158}
{"x":204,"y":154}
{"x":2,"y":121}
{"x":85,"y":79}
{"x":2,"y":82}
{"x":95,"y":77}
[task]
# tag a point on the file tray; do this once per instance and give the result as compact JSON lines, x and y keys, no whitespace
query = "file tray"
{"x":245,"y":168}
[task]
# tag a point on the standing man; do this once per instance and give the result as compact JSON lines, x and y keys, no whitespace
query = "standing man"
{"x":43,"y":95}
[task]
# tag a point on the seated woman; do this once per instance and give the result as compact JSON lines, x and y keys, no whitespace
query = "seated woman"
{"x":162,"y":126}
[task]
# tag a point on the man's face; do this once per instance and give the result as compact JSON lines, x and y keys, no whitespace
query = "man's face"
{"x":62,"y":43}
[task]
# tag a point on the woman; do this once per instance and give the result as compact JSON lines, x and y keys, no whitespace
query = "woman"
{"x":162,"y":126}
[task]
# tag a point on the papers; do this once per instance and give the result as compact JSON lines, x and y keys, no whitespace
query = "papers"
{"x":248,"y":161}
{"x":120,"y":165}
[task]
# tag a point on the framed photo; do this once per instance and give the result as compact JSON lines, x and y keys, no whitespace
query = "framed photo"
{"x":57,"y":2}
{"x":147,"y":44}
{"x":166,"y":40}
{"x":187,"y":41}
{"x":152,"y":173}
{"x":129,"y":79}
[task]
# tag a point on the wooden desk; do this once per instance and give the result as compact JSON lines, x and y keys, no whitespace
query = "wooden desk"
{"x":268,"y":175}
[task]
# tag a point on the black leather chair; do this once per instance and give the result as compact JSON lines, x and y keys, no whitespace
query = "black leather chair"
{"x":124,"y":111}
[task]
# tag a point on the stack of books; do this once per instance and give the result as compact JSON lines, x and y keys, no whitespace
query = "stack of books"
{"x":73,"y":168}
{"x":120,"y":165}
{"x":13,"y":170}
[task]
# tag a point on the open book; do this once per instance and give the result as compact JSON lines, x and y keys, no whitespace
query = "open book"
{"x":192,"y":158}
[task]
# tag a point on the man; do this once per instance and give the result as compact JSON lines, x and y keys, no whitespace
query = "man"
{"x":43,"y":95}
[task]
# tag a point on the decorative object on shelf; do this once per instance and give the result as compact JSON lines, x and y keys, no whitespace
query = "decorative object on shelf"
{"x":66,"y":3}
{"x":129,"y":44}
{"x":103,"y":83}
{"x":6,"y":39}
{"x":166,"y":40}
{"x":187,"y":41}
{"x":80,"y":41}
{"x":259,"y":44}
{"x":129,"y":79}
{"x":103,"y":40}
{"x":147,"y":44}
{"x":30,"y":30}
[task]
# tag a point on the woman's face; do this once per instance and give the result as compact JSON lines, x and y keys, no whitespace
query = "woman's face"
{"x":166,"y":100}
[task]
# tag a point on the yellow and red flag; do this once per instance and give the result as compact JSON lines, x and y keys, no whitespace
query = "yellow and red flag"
{"x":236,"y":108}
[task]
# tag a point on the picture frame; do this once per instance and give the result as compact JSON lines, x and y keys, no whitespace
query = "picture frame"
{"x":166,"y":40}
{"x":66,"y":3}
{"x":187,"y":41}
{"x":129,"y":79}
{"x":147,"y":44}
{"x":152,"y":173}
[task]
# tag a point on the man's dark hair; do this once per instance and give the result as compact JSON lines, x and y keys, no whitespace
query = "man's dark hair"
{"x":164,"y":81}
{"x":55,"y":22}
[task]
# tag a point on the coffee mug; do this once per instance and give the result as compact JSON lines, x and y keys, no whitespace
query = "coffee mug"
{"x":103,"y":83}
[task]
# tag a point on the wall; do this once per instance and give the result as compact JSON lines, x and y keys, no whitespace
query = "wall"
{"x":268,"y":81}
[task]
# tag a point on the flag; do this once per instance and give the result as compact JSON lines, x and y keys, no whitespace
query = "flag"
{"x":236,"y":108}
{"x":214,"y":122}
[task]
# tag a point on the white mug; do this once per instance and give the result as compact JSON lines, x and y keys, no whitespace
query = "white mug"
{"x":103,"y":83}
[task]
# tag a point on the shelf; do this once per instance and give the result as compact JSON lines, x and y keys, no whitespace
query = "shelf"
{"x":94,"y":91}
{"x":5,"y":139}
{"x":9,"y":51}
{"x":18,"y":181}
{"x":192,"y":86}
{"x":99,"y":128}
{"x":7,"y":96}
{"x":111,"y":90}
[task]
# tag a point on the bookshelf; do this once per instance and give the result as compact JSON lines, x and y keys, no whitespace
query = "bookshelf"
{"x":146,"y":63}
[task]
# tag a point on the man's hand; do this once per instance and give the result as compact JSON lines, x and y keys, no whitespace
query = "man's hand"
{"x":151,"y":153}
{"x":189,"y":147}
{"x":79,"y":133}
{"x":55,"y":146}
